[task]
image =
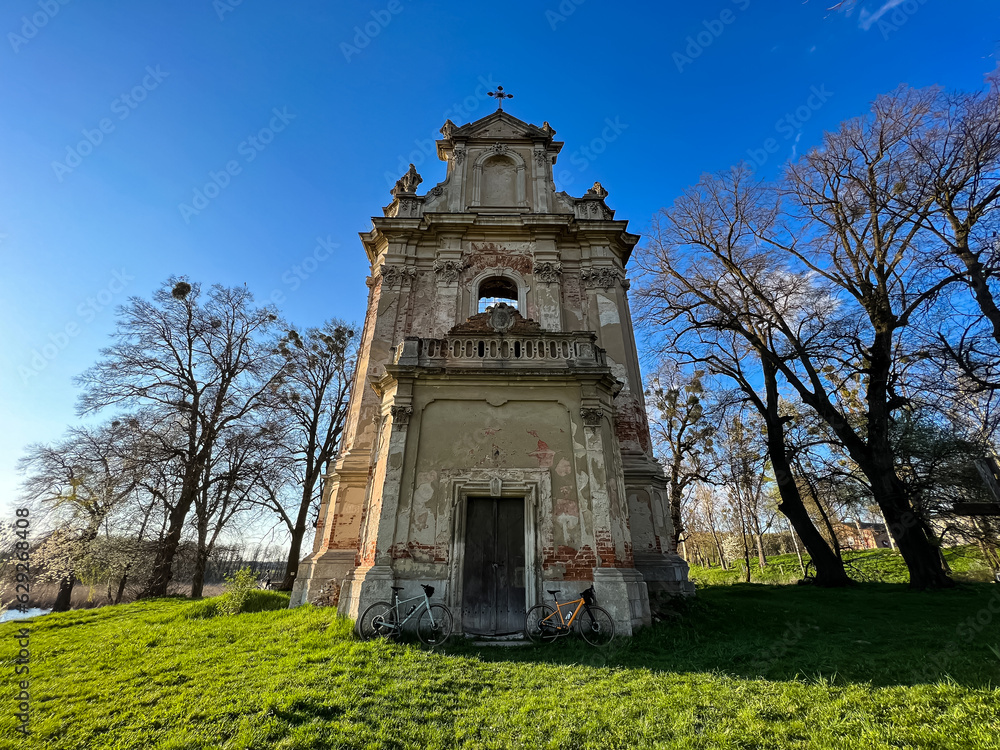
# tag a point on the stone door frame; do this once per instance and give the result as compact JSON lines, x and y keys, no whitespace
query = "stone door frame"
{"x":534,"y":486}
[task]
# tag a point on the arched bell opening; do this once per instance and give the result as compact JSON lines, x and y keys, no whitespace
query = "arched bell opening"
{"x":496,"y":289}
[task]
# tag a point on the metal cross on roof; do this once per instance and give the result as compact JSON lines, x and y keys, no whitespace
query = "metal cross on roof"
{"x":500,"y":96}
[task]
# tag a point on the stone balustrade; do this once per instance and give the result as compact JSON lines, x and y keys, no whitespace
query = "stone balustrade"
{"x":547,"y":350}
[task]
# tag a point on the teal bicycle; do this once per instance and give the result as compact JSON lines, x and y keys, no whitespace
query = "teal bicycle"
{"x":386,"y":619}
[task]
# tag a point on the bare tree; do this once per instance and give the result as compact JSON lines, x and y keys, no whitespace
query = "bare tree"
{"x":199,"y":362}
{"x":79,"y":482}
{"x":312,"y":398}
{"x":681,"y":434}
{"x":731,"y":252}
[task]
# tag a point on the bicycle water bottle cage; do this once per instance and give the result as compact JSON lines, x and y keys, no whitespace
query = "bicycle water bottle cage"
{"x":429,"y":590}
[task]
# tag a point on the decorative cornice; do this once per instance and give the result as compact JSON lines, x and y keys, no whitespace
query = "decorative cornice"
{"x":548,"y":272}
{"x":603,"y":278}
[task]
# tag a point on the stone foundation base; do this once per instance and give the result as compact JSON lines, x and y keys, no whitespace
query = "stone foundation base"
{"x":665,"y":573}
{"x":326,"y":569}
{"x":622,"y":592}
{"x":363,"y":587}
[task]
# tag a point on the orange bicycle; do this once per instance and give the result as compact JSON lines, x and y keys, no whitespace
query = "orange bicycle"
{"x":543,"y":624}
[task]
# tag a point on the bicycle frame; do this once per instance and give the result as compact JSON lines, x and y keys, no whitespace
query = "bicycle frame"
{"x":566,"y":621}
{"x":415,"y":612}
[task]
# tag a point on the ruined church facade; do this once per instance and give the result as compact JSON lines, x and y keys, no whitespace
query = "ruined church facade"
{"x":496,"y":444}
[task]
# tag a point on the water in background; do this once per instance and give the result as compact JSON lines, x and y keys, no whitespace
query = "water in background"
{"x":13,"y":614}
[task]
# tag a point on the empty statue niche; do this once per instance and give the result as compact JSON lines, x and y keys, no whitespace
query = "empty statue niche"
{"x":499,"y":182}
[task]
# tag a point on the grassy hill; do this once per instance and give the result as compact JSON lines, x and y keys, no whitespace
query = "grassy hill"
{"x":877,"y":565}
{"x":740,"y":666}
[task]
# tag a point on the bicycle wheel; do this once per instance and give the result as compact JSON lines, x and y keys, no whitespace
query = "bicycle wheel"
{"x":437,"y":632}
{"x":538,"y":626}
{"x":378,"y":621}
{"x":595,"y":625}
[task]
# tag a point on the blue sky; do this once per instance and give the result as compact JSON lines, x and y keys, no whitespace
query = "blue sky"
{"x":117,"y":115}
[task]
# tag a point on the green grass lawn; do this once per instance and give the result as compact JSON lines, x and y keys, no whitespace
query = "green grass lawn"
{"x":878,"y":565}
{"x":742,"y":666}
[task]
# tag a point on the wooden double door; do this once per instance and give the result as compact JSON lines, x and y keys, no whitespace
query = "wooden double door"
{"x":493,"y":585}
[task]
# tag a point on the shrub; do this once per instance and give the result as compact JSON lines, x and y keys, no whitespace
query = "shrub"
{"x":242,"y":584}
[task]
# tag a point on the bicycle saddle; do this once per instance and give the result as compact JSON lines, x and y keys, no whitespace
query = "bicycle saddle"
{"x":396,"y":588}
{"x":553,"y":592}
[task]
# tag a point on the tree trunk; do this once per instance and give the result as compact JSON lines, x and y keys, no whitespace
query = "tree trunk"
{"x":761,"y":558}
{"x":829,"y":567}
{"x":65,"y":594}
{"x":198,"y":579}
{"x":674,"y":492}
{"x":121,"y":587}
{"x":166,"y":550}
{"x":723,"y":563}
{"x":921,"y":556}
{"x":798,"y":551}
{"x":298,"y":534}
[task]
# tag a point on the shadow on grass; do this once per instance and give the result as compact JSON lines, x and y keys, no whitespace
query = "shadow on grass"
{"x":882,"y":634}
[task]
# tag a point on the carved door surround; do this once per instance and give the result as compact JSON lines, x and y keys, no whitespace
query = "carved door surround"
{"x":534,"y":486}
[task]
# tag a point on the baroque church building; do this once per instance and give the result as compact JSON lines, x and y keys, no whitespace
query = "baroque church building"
{"x":496,"y":444}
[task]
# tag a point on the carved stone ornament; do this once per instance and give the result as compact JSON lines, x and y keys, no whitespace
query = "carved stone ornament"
{"x":407,"y":184}
{"x":502,"y":317}
{"x":592,"y":417}
{"x":395,"y":275}
{"x":448,"y":271}
{"x":548,"y":272}
{"x":597,"y":191}
{"x":541,"y":157}
{"x":459,"y":154}
{"x":602,"y":278}
{"x":436,"y":190}
{"x":401,"y":414}
{"x":448,"y":129}
{"x":496,"y":486}
{"x":499,"y":148}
